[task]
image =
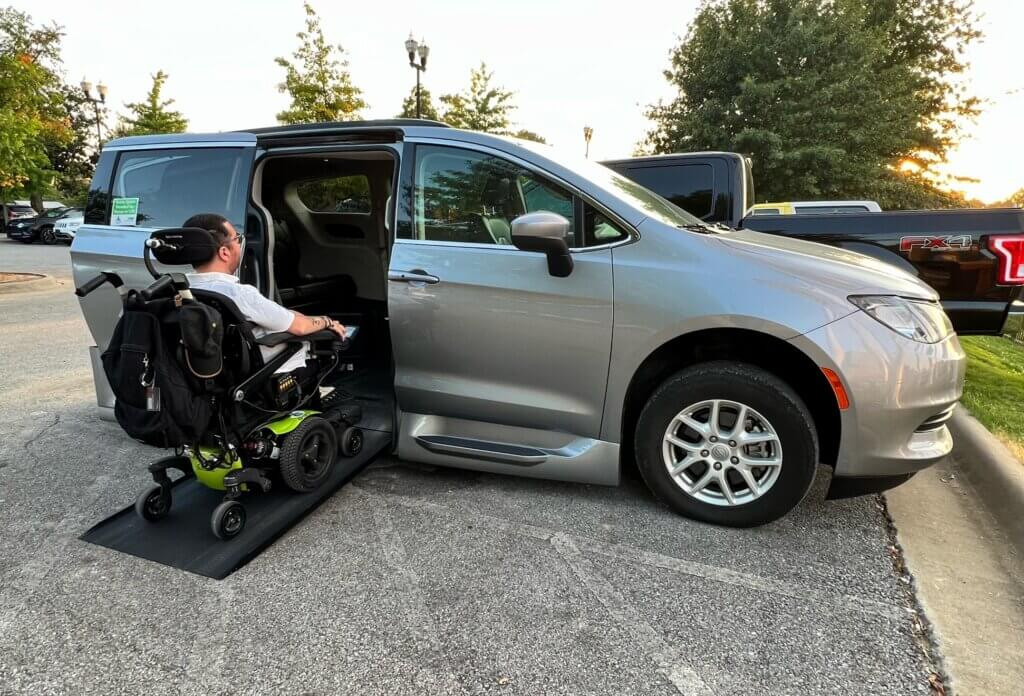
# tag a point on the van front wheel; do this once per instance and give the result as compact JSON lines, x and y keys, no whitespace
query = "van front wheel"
{"x":727,"y":443}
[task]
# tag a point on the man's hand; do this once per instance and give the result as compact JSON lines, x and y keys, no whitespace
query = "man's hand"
{"x":337,"y":327}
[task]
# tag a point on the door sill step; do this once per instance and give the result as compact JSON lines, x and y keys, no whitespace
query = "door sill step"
{"x":482,"y":449}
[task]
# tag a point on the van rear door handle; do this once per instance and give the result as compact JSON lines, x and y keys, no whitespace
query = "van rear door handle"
{"x":413,"y":276}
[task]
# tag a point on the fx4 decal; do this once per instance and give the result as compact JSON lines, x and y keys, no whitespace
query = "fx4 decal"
{"x":947,"y":243}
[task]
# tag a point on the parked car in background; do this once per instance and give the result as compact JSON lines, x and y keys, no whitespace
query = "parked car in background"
{"x":540,"y":315}
{"x":37,"y":229}
{"x":10,"y":212}
{"x":814,"y":207}
{"x":973,"y":258}
{"x":67,"y":225}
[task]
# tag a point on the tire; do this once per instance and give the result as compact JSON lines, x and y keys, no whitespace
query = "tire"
{"x":351,"y":441}
{"x":153,"y":504}
{"x":228,"y":520}
{"x":46,"y":235}
{"x":708,"y":459}
{"x":308,"y":455}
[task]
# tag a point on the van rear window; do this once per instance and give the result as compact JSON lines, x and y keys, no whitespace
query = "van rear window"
{"x":339,"y":194}
{"x":173,"y":185}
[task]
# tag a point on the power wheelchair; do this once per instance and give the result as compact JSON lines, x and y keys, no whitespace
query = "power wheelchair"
{"x":245,"y":426}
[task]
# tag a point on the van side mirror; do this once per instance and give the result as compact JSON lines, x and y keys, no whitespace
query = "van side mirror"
{"x":544,"y":232}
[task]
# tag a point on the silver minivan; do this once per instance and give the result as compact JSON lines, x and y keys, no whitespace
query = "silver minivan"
{"x":531,"y":313}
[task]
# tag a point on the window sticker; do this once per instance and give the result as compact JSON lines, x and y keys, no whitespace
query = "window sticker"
{"x":124,"y":212}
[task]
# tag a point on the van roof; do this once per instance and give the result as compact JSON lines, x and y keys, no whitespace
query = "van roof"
{"x":250,"y":135}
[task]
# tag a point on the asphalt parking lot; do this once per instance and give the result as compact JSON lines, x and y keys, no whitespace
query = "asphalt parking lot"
{"x":415,"y":579}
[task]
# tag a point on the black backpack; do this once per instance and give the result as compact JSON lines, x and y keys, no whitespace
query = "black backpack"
{"x":156,"y":402}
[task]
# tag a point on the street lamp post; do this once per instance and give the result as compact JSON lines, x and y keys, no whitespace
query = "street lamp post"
{"x":101,"y":90}
{"x":413,"y":48}
{"x":588,"y":132}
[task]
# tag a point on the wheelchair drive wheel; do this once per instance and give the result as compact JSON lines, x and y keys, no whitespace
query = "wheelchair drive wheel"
{"x":228,"y":519}
{"x":153,"y":503}
{"x":308,"y":455}
{"x":351,"y":441}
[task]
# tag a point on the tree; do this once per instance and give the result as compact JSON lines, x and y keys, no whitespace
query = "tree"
{"x":831,"y":98}
{"x":524,"y":134}
{"x":1014,"y":200}
{"x":318,"y":81}
{"x":151,"y":117}
{"x":71,"y":158}
{"x":31,"y":114}
{"x":481,"y":107}
{"x":427,"y":108}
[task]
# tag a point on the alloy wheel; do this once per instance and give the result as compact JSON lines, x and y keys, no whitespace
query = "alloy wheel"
{"x":722,"y":452}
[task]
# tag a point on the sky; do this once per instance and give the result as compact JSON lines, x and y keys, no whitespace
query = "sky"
{"x":571,"y":63}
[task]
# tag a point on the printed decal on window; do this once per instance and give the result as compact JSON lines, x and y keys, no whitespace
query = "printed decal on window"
{"x":125,"y":212}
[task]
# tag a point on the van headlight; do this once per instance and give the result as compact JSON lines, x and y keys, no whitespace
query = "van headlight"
{"x":923,"y":321}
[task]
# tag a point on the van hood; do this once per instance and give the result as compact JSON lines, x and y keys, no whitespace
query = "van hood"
{"x":846,"y":271}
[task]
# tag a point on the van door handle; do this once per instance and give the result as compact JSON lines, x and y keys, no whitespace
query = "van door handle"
{"x":413,"y":276}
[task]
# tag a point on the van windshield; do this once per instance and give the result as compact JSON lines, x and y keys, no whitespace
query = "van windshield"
{"x":616,"y":184}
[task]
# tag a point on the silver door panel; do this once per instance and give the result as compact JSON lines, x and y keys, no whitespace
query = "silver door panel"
{"x":497,"y":339}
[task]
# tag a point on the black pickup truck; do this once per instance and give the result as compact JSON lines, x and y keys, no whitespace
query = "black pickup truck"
{"x":973,"y":258}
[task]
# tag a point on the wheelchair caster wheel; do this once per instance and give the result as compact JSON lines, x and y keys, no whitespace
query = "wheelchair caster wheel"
{"x":228,"y":519}
{"x":351,"y":441}
{"x":153,"y":504}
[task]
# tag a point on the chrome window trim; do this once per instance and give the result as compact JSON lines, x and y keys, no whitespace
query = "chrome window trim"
{"x":632,"y":234}
{"x":176,"y":146}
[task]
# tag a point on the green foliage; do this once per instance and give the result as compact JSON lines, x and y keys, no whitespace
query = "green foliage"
{"x":427,"y":108}
{"x":71,"y":159}
{"x":524,"y":134}
{"x":318,"y":81}
{"x":31,"y":114}
{"x":1014,"y":200}
{"x":829,"y":97}
{"x":995,"y":381}
{"x":482,"y":107}
{"x":151,"y":117}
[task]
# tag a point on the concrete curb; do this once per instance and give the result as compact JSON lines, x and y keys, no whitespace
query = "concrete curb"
{"x":35,"y":283}
{"x":994,"y":472}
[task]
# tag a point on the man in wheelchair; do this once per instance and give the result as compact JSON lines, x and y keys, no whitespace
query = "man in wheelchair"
{"x":228,"y":378}
{"x":218,"y":275}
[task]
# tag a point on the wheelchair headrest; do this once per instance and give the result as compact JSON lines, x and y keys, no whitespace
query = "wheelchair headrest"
{"x":179,"y":246}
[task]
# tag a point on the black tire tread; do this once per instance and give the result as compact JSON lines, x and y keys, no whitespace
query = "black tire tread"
{"x":756,"y":378}
{"x":288,"y":463}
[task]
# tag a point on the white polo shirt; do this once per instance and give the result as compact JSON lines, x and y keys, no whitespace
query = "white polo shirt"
{"x":266,"y":315}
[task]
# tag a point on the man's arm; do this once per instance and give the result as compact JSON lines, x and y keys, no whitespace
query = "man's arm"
{"x":273,"y":317}
{"x":303,"y":326}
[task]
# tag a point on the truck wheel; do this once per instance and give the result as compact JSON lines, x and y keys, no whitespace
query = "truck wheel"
{"x":47,"y":236}
{"x":727,"y":443}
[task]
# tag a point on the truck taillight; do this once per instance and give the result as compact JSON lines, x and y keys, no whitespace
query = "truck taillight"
{"x":1010,"y":252}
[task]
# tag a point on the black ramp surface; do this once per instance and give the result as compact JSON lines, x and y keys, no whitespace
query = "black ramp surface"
{"x":184,"y":539}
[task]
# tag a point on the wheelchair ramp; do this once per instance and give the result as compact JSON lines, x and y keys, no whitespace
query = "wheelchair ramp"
{"x":184,"y":540}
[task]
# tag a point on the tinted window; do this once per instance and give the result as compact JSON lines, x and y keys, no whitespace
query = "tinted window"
{"x":341,"y":194}
{"x":599,"y":229}
{"x":173,"y":185}
{"x":689,"y":186}
{"x":466,"y":196}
